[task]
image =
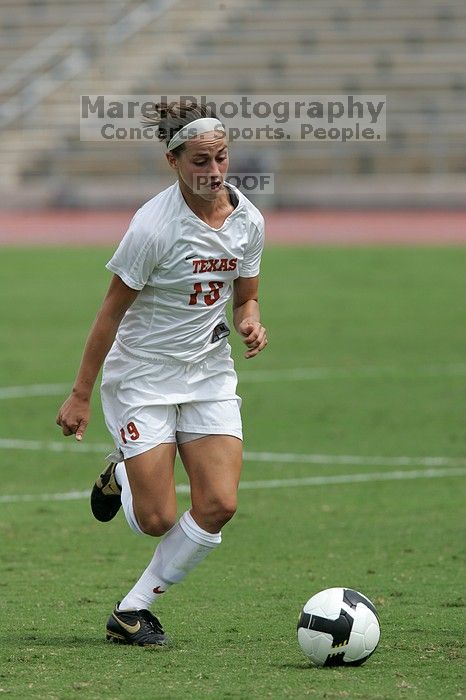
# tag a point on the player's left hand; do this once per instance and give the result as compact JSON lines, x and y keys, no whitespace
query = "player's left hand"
{"x":254,"y":336}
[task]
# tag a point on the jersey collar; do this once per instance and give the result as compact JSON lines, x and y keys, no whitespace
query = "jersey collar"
{"x":233,"y":190}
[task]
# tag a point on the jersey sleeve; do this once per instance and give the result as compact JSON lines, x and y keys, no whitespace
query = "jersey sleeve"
{"x":135,"y":258}
{"x":250,"y":266}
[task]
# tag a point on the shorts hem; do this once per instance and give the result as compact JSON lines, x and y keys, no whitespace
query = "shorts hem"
{"x":140,"y":449}
{"x":204,"y":430}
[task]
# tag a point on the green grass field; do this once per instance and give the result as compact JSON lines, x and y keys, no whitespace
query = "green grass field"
{"x":366,"y":365}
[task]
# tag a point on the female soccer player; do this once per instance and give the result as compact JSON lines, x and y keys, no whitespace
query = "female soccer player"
{"x":168,"y":379}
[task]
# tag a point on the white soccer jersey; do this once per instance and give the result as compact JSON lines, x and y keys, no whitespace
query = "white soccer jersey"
{"x":184,"y":270}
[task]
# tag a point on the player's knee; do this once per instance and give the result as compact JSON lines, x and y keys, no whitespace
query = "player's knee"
{"x":223,"y":509}
{"x":156,"y":524}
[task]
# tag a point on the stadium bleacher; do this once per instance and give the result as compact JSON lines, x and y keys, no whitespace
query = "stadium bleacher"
{"x":52,"y":51}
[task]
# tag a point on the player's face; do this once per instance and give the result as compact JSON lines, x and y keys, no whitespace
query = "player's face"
{"x":203,"y":164}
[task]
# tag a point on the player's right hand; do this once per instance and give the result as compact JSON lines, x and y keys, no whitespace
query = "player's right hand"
{"x":73,"y":417}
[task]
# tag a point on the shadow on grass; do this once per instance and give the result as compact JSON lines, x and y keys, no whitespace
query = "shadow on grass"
{"x":307,"y":666}
{"x":303,"y":666}
{"x":61,"y":641}
{"x":73,"y":641}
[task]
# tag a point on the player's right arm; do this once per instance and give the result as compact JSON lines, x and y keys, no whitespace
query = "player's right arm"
{"x":73,"y":416}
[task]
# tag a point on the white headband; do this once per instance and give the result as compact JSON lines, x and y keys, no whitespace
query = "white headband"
{"x":193,"y":129}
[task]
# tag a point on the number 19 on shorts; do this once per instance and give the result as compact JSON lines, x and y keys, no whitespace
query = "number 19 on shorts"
{"x":133,"y":432}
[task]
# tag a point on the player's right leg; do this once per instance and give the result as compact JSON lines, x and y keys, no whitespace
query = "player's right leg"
{"x":144,"y":430}
{"x":152,"y":482}
{"x":182,"y":548}
{"x":150,"y":485}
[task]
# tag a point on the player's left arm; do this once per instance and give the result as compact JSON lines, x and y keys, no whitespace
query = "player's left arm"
{"x":246,"y":314}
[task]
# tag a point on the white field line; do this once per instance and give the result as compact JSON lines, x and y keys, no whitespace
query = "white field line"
{"x":265,"y":484}
{"x":297,"y":374}
{"x":71,"y":445}
{"x":290,"y":458}
{"x":31,"y":390}
{"x":352,"y":478}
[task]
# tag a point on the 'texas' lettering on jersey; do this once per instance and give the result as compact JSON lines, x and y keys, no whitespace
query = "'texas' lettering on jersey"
{"x":214,"y":265}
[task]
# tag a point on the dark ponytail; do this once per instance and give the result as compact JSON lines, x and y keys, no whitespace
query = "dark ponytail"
{"x":173,"y":116}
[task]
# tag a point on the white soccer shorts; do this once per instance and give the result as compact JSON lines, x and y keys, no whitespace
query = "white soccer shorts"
{"x":146,"y":404}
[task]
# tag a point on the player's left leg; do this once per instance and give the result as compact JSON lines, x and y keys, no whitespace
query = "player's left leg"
{"x":213,"y":464}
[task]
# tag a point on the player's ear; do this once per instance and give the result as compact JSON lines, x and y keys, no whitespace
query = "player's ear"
{"x":172,"y":160}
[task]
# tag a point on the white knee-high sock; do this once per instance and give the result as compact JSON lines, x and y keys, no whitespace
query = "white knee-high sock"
{"x":126,"y":497}
{"x":178,"y":553}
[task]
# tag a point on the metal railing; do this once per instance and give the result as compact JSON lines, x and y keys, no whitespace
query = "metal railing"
{"x":74,"y":49}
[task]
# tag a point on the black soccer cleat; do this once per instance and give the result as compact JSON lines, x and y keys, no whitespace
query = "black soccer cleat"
{"x":136,"y":627}
{"x":106,"y":495}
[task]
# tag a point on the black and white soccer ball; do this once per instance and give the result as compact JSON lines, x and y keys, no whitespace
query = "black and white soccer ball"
{"x":338,"y":627}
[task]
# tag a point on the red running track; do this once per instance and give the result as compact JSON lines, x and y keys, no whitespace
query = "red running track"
{"x":95,"y":228}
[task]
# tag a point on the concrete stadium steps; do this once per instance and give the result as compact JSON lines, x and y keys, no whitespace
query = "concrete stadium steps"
{"x":51,"y":13}
{"x":126,"y":159}
{"x":314,"y":190}
{"x":375,"y":190}
{"x":364,"y":161}
{"x":412,"y":110}
{"x":306,"y":82}
{"x":396,"y":61}
{"x":294,"y":67}
{"x":412,"y":52}
{"x":14,"y":44}
{"x":447,"y":10}
{"x":58,"y":115}
{"x":110,"y":166}
{"x":39,"y":47}
{"x":415,"y":35}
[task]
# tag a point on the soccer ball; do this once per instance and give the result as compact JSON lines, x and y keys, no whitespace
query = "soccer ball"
{"x":338,"y":627}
